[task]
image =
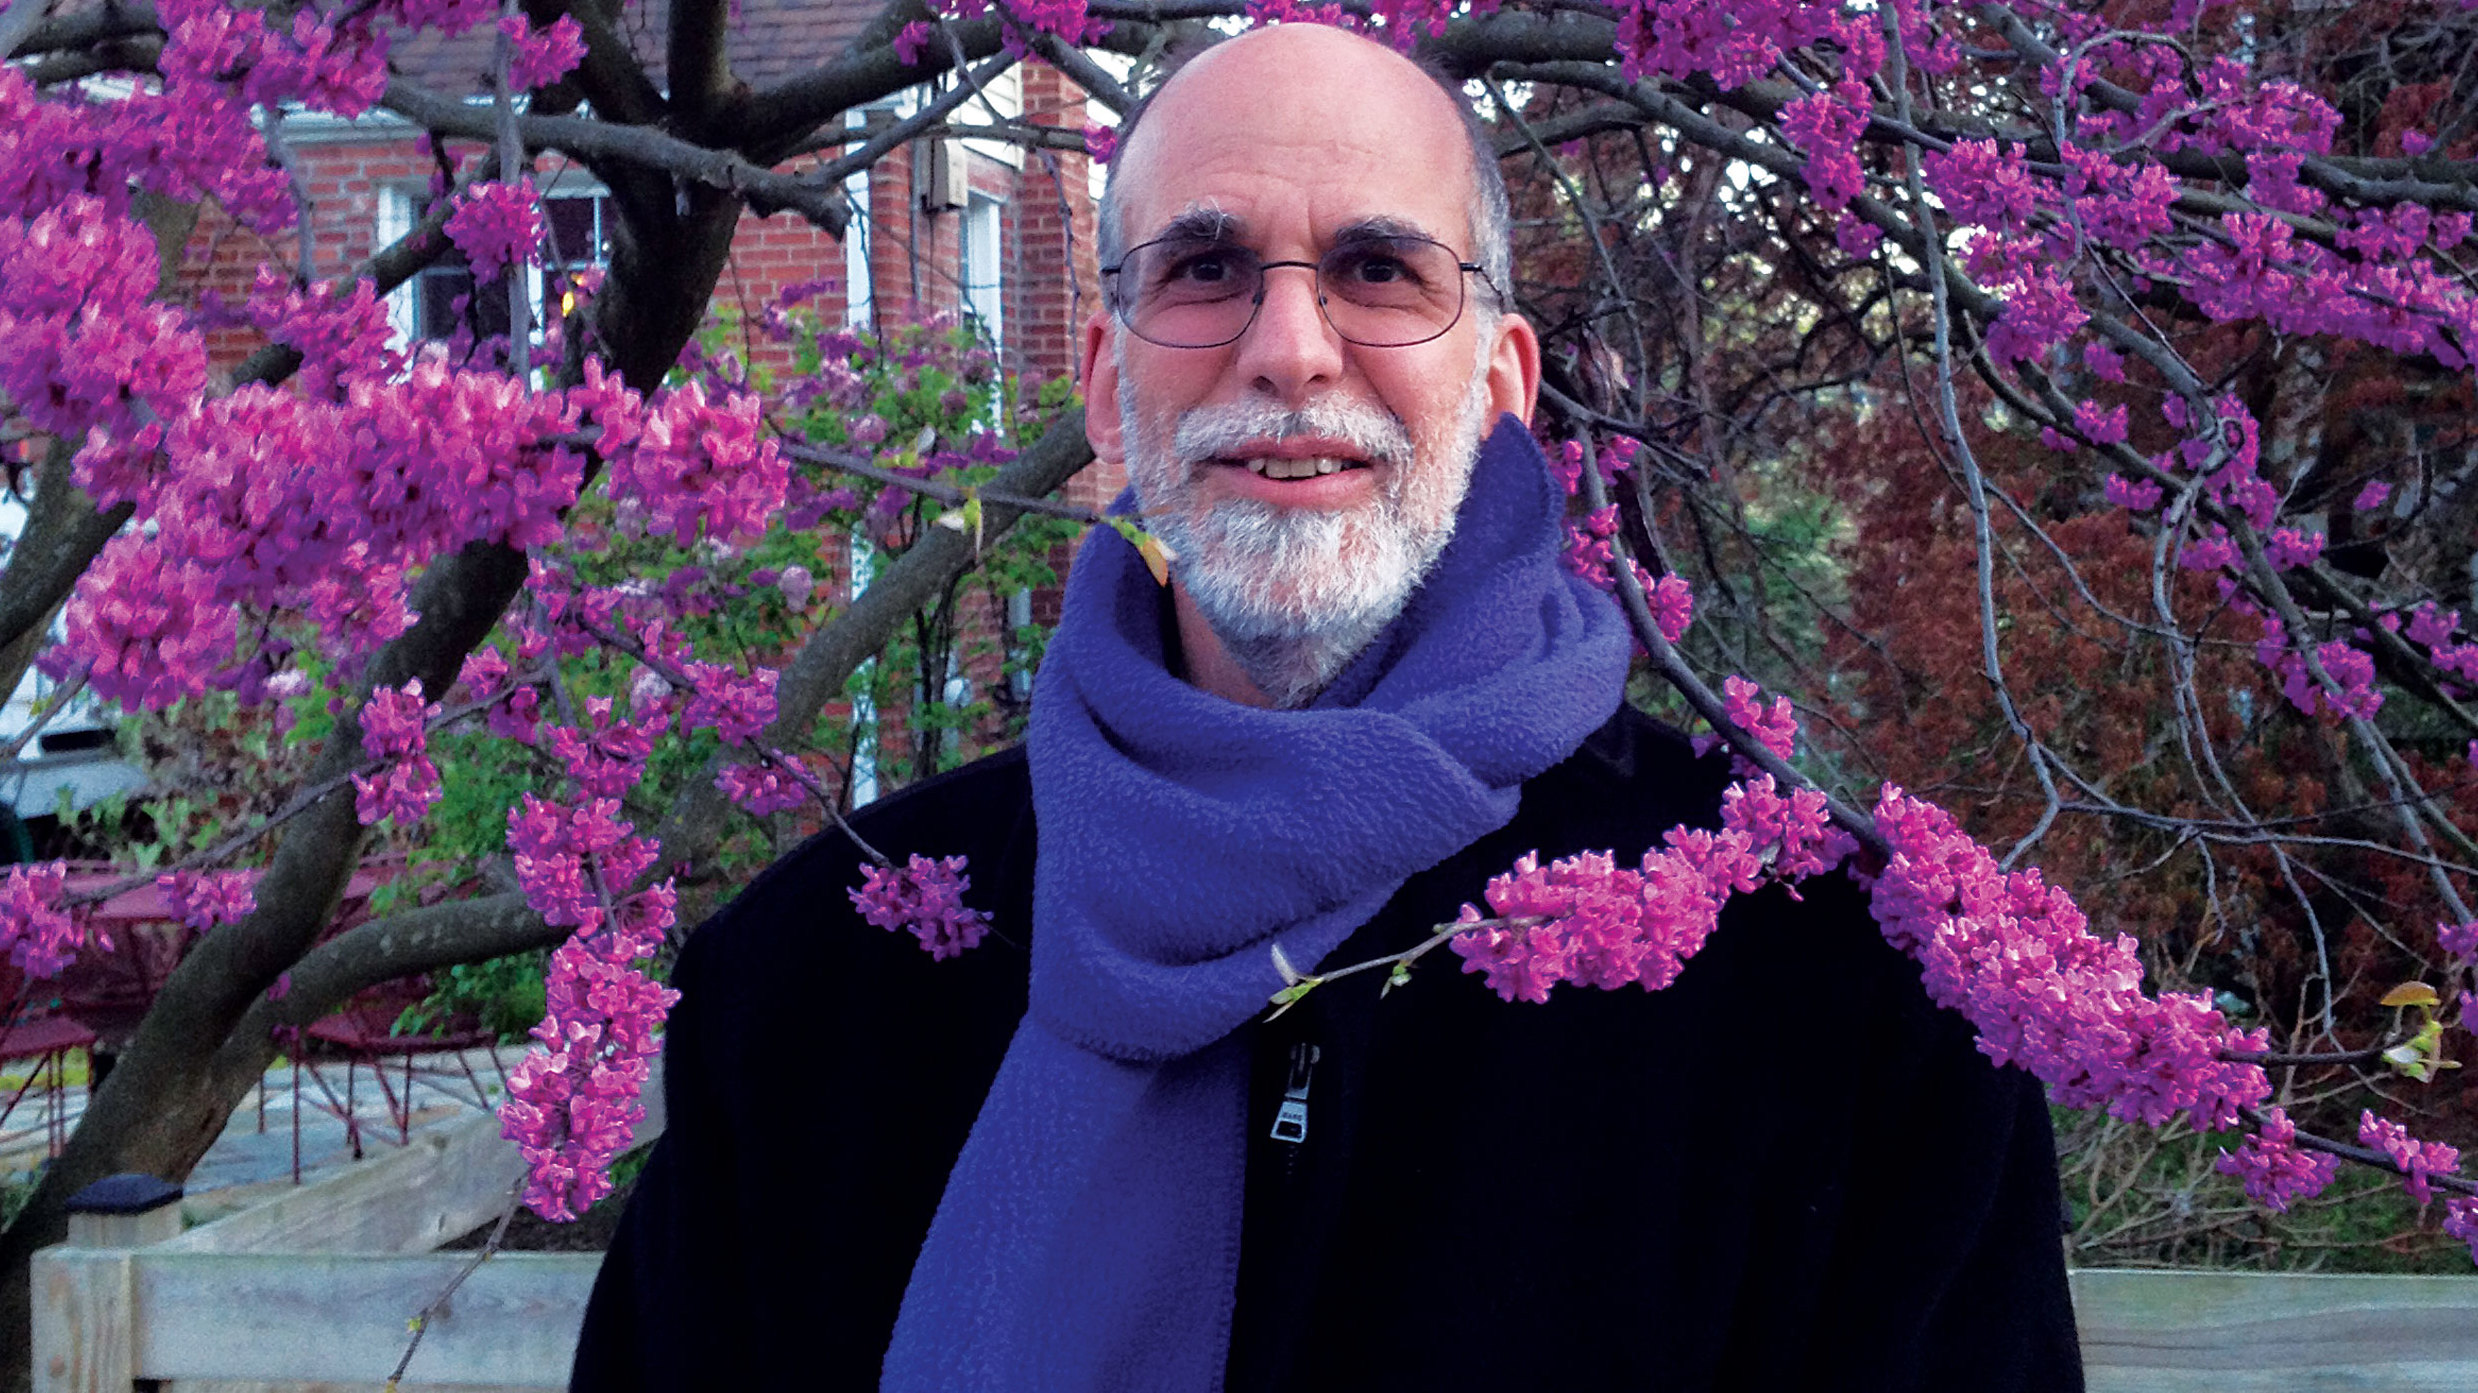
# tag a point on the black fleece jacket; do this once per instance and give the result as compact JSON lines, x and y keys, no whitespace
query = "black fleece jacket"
{"x":1787,"y":1171}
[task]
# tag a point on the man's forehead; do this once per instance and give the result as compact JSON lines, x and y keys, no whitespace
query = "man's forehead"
{"x":1206,"y":219}
{"x":1297,"y":109}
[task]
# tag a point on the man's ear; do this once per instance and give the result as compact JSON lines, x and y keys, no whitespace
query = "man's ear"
{"x":1514,"y":368}
{"x":1101,"y":390}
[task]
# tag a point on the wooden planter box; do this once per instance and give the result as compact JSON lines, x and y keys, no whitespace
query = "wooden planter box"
{"x":309,"y":1292}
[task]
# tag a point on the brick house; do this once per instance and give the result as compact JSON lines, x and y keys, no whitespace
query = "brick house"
{"x":978,"y":227}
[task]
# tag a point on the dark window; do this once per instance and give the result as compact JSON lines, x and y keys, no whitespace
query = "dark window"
{"x":580,"y":238}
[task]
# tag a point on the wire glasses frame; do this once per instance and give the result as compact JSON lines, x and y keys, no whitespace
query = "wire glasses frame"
{"x":1389,"y":291}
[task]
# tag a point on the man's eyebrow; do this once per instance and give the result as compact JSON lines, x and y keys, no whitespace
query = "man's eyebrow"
{"x":1201,"y":225}
{"x":1379,"y":225}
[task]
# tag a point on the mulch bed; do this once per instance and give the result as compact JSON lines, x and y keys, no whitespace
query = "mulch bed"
{"x":530,"y":1233}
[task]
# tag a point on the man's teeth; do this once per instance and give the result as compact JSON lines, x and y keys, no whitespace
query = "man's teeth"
{"x":1298,"y":468}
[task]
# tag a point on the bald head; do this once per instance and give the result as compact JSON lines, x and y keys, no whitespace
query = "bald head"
{"x":1298,"y":84}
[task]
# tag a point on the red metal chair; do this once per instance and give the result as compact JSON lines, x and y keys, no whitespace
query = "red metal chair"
{"x":45,"y":1040}
{"x":360,"y":1034}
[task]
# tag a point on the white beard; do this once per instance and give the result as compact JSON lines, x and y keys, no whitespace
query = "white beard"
{"x":1295,"y":593}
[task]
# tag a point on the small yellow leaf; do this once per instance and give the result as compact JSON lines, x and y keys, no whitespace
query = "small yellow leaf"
{"x":1157,"y":559}
{"x":2410,"y":994}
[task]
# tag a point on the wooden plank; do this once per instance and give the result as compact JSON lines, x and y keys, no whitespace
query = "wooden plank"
{"x":451,"y":1179}
{"x":2251,"y":1332}
{"x":225,"y":1385}
{"x":83,"y":1320}
{"x":313,"y":1317}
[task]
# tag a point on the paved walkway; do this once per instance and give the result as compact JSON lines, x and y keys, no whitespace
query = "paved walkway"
{"x":254,"y":1156}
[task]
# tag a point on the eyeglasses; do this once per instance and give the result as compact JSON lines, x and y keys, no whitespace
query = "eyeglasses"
{"x":1376,"y":291}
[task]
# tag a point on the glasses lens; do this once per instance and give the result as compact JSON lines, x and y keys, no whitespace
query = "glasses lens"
{"x":1189,"y":293}
{"x":1390,"y":291}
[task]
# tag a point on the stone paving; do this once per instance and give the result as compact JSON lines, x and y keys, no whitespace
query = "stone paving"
{"x":254,"y":1156}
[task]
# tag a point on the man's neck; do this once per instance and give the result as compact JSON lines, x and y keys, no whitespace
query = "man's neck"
{"x":1284,"y":672}
{"x":1206,"y":663}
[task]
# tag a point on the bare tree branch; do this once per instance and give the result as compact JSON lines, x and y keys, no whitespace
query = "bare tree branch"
{"x":643,"y":147}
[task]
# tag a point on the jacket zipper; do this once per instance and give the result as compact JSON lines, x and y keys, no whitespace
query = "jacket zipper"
{"x":1290,"y":1123}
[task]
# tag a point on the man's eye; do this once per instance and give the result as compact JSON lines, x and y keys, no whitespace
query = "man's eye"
{"x":1200,"y":269}
{"x":1377,"y":270}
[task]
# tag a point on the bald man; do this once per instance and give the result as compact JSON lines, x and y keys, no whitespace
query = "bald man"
{"x":1081,"y":1156}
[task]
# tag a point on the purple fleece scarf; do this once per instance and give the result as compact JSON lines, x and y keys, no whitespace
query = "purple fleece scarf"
{"x":1089,"y":1234}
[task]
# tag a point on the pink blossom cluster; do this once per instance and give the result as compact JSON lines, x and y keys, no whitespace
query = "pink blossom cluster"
{"x":688,"y":465}
{"x":2460,"y":943}
{"x":204,"y":899}
{"x":394,"y":731}
{"x":572,"y":1104}
{"x":1588,"y":920}
{"x":2418,"y":1160}
{"x":1673,"y":606}
{"x":2288,"y":548}
{"x":567,"y":856}
{"x":1827,"y":125}
{"x":924,"y":898}
{"x":911,"y":39}
{"x":2015,"y":957}
{"x":2275,"y":1170}
{"x":2461,"y":1222}
{"x":1739,"y":42}
{"x":1617,"y":455}
{"x":324,"y":507}
{"x":1794,"y":834}
{"x":1775,"y":727}
{"x":187,"y":141}
{"x":149,"y":623}
{"x":539,"y":57}
{"x":607,"y":758}
{"x":217,"y":52}
{"x":2438,"y":629}
{"x":2350,"y":667}
{"x":1591,"y":550}
{"x":1068,"y":19}
{"x":737,"y":707}
{"x":1299,"y":12}
{"x":572,"y":1101}
{"x":344,"y":337}
{"x":497,"y":225}
{"x":762,"y":789}
{"x":81,"y":346}
{"x":2138,"y":496}
{"x":39,"y":934}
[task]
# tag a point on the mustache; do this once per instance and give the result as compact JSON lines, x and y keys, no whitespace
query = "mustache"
{"x":1213,"y":432}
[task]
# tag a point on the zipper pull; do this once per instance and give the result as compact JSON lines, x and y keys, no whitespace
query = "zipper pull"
{"x":1291,"y":1123}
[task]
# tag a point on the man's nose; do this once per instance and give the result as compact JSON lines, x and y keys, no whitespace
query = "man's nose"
{"x":1290,"y":351}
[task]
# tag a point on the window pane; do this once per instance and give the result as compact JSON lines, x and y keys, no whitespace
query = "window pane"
{"x":576,"y":231}
{"x":440,"y":316}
